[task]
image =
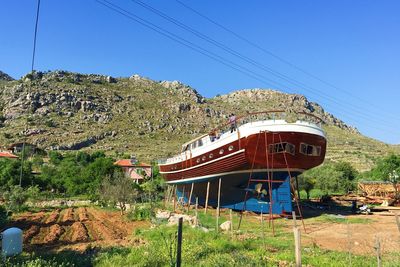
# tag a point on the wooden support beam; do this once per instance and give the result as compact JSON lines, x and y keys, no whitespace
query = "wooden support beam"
{"x":190,"y":197}
{"x":196,"y":213}
{"x":175,"y":187}
{"x":219,"y":202}
{"x":208,"y":192}
{"x":231,"y":219}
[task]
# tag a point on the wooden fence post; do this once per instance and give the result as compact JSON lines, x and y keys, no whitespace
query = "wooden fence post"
{"x":297,"y":244}
{"x":179,"y":244}
{"x":378,"y":251}
{"x":297,"y":240}
{"x":208,"y":191}
{"x":350,"y":243}
{"x":294,"y":218}
{"x":397,"y":220}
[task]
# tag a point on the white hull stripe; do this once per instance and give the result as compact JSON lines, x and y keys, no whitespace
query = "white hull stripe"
{"x":205,"y":163}
{"x":177,"y":181}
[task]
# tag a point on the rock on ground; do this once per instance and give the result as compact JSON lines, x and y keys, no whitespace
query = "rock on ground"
{"x":226,"y":226}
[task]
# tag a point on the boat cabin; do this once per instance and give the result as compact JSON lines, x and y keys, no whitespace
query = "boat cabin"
{"x":196,"y":143}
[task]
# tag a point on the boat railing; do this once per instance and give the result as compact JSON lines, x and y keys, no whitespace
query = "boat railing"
{"x":289,"y":116}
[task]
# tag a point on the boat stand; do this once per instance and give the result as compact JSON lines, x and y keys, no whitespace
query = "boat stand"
{"x":270,"y":180}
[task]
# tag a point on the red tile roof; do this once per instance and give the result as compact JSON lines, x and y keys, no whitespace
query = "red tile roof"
{"x":128,"y":163}
{"x":5,"y":154}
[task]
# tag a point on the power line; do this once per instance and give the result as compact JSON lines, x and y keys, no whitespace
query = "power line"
{"x":185,"y":42}
{"x":246,"y":40}
{"x":32,"y":68}
{"x":35,"y":35}
{"x":249,"y":60}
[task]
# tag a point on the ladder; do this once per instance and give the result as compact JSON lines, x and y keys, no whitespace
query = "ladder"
{"x":269,"y":179}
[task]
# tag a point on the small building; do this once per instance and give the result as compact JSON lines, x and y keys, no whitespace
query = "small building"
{"x":9,"y":155}
{"x":29,"y":148}
{"x":137,"y":171}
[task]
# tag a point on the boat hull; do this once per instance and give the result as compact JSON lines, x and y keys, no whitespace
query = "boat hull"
{"x":233,"y":191}
{"x":248,"y":153}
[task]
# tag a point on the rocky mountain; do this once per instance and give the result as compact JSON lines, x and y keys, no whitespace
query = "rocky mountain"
{"x":63,"y":110}
{"x":5,"y":77}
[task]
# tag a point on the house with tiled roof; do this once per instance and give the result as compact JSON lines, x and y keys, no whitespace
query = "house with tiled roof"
{"x":9,"y":155}
{"x":135,"y":170}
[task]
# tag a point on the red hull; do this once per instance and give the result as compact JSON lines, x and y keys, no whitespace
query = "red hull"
{"x":255,"y":151}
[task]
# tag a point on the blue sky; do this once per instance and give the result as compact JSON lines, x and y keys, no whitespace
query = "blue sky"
{"x":353,"y":45}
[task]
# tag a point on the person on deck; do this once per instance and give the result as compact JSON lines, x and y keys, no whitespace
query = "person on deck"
{"x":232,"y":122}
{"x":213,"y":135}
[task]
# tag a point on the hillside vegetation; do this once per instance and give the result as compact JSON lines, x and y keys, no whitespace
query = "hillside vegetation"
{"x":136,"y":115}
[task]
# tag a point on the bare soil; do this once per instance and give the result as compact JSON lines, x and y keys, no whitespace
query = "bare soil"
{"x":74,"y":228}
{"x":53,"y":217}
{"x":357,"y":238}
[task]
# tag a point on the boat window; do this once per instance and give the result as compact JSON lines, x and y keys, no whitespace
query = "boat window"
{"x":203,"y":158}
{"x":282,"y":147}
{"x":230,"y":148}
{"x":198,"y":160}
{"x":200,"y":142}
{"x":221,"y":151}
{"x":185,"y":148}
{"x":211,"y":156}
{"x":310,"y":150}
{"x":194,"y":145}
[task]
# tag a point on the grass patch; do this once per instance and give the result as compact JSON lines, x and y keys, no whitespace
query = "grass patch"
{"x":332,"y":218}
{"x":253,"y":245}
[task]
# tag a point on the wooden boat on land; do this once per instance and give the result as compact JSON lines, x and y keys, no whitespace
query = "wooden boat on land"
{"x":255,"y":163}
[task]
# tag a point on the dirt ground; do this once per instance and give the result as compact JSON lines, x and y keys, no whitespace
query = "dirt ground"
{"x":83,"y":227}
{"x":74,"y":228}
{"x":358,"y":238}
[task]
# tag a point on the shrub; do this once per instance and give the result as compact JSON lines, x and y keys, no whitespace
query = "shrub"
{"x":17,"y":196}
{"x":3,"y":216}
{"x":50,"y":123}
{"x":141,"y":212}
{"x":119,"y":189}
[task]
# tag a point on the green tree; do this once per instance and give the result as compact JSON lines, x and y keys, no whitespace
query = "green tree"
{"x":348,"y":175}
{"x":388,"y":169}
{"x":307,"y":182}
{"x":330,"y":178}
{"x":15,"y":198}
{"x":55,"y":157}
{"x":95,"y":173}
{"x":120,"y":190}
{"x":10,"y":171}
{"x":76,"y":173}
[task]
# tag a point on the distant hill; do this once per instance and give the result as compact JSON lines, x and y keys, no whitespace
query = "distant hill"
{"x":5,"y":77}
{"x":136,"y":115}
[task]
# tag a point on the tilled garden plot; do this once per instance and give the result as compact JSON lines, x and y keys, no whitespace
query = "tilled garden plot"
{"x":73,"y":227}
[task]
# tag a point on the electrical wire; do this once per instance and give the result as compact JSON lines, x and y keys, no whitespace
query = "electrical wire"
{"x":29,"y":87}
{"x":246,"y":40}
{"x":188,"y":44}
{"x":255,"y":63}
